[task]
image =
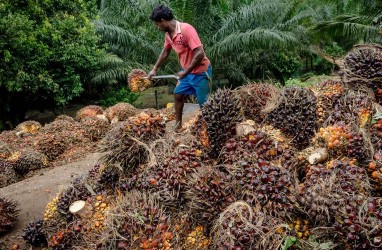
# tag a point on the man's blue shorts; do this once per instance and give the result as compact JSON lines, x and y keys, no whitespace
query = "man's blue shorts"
{"x":196,"y":84}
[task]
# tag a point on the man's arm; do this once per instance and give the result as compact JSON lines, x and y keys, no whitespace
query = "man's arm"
{"x":196,"y":60}
{"x":161,"y":59}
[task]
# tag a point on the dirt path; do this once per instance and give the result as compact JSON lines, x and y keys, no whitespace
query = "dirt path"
{"x":33,"y":194}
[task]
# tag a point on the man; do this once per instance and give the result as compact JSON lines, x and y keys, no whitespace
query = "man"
{"x":196,"y":73}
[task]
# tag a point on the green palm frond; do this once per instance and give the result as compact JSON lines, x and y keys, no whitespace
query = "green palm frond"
{"x":111,"y":75}
{"x":259,"y":38}
{"x":249,"y":16}
{"x":350,"y":26}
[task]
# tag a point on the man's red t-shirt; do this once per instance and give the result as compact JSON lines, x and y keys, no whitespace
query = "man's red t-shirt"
{"x":185,"y":40}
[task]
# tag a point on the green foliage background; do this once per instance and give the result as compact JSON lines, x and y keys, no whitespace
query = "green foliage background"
{"x":53,"y":52}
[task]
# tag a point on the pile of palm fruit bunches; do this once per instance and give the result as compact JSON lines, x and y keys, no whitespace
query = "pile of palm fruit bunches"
{"x":260,"y":167}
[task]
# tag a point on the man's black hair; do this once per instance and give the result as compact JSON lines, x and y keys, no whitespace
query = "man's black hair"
{"x":161,"y":12}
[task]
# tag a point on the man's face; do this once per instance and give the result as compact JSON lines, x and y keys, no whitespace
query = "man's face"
{"x":162,"y":26}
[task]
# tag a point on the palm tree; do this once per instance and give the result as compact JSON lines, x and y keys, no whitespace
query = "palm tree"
{"x":254,"y":33}
{"x":359,"y":21}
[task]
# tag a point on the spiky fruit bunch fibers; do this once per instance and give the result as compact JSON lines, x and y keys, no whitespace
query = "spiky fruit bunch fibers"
{"x":364,"y":62}
{"x":34,"y":234}
{"x":136,"y":80}
{"x":342,"y":141}
{"x":327,"y":93}
{"x":325,"y":191}
{"x":222,"y":112}
{"x":210,"y":191}
{"x":169,"y":180}
{"x":89,"y":111}
{"x":8,"y":214}
{"x":352,"y":108}
{"x":27,"y":160}
{"x":152,"y":229}
{"x":198,"y":128}
{"x":109,"y":176}
{"x":295,"y":114}
{"x":254,"y":98}
{"x":269,"y":186}
{"x":120,"y":112}
{"x":31,"y":127}
{"x":252,"y":147}
{"x":360,"y":227}
{"x":241,"y":226}
{"x":94,"y":128}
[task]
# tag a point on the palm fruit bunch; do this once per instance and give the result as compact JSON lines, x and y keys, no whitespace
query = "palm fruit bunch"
{"x":360,"y":227}
{"x":269,"y":186}
{"x":254,"y":98}
{"x":34,"y":234}
{"x":295,"y":115}
{"x":77,"y":191}
{"x":241,"y":226}
{"x":342,"y":140}
{"x":221,"y":112}
{"x":120,"y":112}
{"x":27,"y":160}
{"x":325,"y":190}
{"x":65,"y":118}
{"x":5,"y":150}
{"x":137,"y":82}
{"x":197,"y":239}
{"x":210,"y":190}
{"x":364,"y":61}
{"x":109,"y":176}
{"x":375,"y":171}
{"x":7,"y":173}
{"x":51,"y":209}
{"x":8,"y":214}
{"x":28,"y":127}
{"x":52,"y":144}
{"x":327,"y":93}
{"x":169,"y":180}
{"x":138,"y":222}
{"x":127,"y":141}
{"x":352,"y":108}
{"x":198,"y":128}
{"x":94,"y":128}
{"x":146,"y":127}
{"x":252,"y":147}
{"x":89,"y":111}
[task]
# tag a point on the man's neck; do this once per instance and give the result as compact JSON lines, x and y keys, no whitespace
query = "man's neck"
{"x":172,"y":26}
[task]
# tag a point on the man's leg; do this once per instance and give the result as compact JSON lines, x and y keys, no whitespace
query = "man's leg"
{"x":179,"y":103}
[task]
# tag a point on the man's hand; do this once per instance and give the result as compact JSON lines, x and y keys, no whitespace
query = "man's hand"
{"x":182,"y":74}
{"x":152,"y":73}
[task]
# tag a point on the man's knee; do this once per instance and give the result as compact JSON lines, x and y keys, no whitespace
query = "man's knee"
{"x":179,"y":97}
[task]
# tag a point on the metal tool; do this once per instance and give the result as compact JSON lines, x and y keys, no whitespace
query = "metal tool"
{"x":163,"y":77}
